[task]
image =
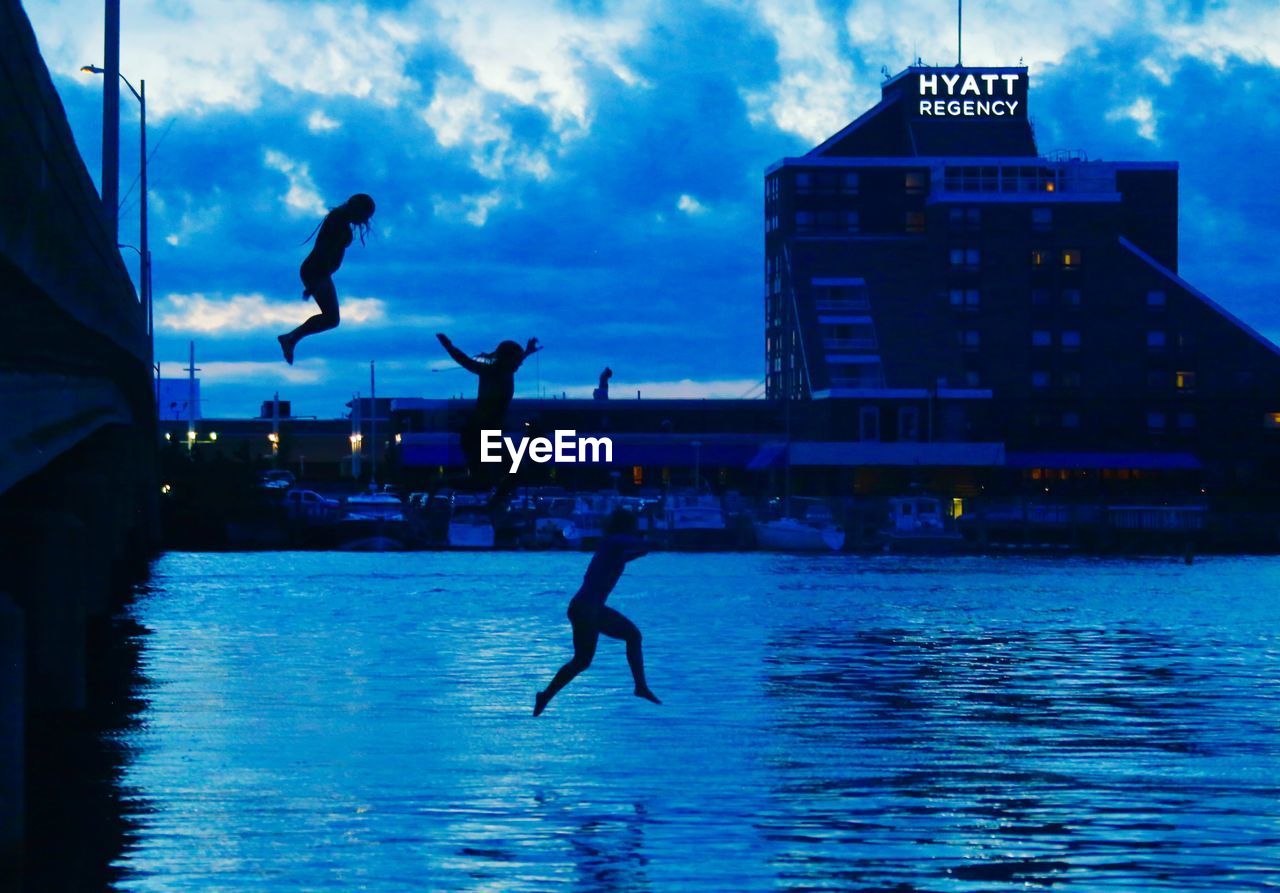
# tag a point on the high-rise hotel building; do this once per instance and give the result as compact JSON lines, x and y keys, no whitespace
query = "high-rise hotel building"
{"x":930,"y":246}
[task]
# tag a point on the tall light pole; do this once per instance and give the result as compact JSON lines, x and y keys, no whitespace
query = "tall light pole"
{"x":111,"y":118}
{"x":144,"y":249}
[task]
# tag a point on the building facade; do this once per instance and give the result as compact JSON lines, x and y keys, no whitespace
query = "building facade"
{"x":929,"y":245}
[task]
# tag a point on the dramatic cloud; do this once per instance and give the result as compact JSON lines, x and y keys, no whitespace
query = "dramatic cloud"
{"x":198,"y":314}
{"x":221,"y":373}
{"x":690,"y":205}
{"x":685,"y":388}
{"x":591,"y":171}
{"x":817,"y":91}
{"x":302,"y":197}
{"x":1140,"y":111}
{"x":203,"y":55}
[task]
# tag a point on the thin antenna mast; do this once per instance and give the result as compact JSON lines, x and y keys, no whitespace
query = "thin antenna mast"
{"x":959,"y":33}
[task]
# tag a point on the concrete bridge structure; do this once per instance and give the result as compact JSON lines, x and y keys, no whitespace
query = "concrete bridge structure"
{"x":78,"y":486}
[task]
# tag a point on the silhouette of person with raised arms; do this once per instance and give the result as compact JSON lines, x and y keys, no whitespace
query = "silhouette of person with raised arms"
{"x":332,"y":239}
{"x":496,"y":372}
{"x":590,"y":617}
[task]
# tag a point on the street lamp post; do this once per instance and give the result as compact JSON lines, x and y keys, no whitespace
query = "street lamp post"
{"x":144,"y":252}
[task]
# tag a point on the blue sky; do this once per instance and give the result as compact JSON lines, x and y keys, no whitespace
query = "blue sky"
{"x":592,"y":172}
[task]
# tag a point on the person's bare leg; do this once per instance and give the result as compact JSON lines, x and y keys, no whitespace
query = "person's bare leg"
{"x":326,"y":297}
{"x":615,"y":625}
{"x":585,"y":638}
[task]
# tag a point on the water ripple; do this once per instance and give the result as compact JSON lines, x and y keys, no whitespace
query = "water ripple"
{"x":837,"y":723}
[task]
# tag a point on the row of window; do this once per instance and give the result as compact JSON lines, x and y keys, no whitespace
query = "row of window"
{"x":990,"y":178}
{"x":1042,"y":297}
{"x":1068,"y":339}
{"x":1183,"y":380}
{"x":1070,"y":258}
{"x":1157,"y":421}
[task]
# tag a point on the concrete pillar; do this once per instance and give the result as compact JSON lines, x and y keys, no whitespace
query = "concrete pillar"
{"x":54,"y":602}
{"x":12,"y":730}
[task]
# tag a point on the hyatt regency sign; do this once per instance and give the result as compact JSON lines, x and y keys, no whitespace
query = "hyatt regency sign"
{"x":971,"y":93}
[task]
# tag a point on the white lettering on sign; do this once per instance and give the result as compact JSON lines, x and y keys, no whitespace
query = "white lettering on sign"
{"x":968,"y":95}
{"x":969,"y":108}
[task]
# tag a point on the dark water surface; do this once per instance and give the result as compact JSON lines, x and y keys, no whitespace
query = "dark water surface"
{"x":361,"y":722}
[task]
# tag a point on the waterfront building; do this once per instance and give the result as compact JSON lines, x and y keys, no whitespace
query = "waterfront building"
{"x":931,"y":246}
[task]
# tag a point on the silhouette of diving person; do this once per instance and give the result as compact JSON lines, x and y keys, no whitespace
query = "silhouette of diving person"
{"x":496,"y":372}
{"x":332,"y":239}
{"x":590,"y":616}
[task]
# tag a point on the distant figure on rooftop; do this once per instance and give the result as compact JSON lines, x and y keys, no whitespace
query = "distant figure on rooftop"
{"x":590,"y":617}
{"x":317,"y":270}
{"x":602,"y":392}
{"x":497,"y":374}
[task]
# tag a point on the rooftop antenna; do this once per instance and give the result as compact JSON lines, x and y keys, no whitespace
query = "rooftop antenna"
{"x":884,"y":70}
{"x":959,"y":35}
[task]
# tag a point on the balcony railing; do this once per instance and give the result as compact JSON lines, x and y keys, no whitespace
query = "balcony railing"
{"x":849,"y":343}
{"x":842,"y":305}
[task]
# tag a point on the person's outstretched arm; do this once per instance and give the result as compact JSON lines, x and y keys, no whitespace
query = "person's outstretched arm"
{"x":458,"y":356}
{"x":635,"y":549}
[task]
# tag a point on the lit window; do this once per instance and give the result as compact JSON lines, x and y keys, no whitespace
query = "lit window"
{"x":1070,"y":340}
{"x":1155,"y":421}
{"x":957,"y":297}
{"x":1071,"y":420}
{"x":1071,"y":297}
{"x":1041,"y":219}
{"x":1155,"y":339}
{"x":637,"y":475}
{"x":1039,"y":379}
{"x":914,"y":182}
{"x":1071,"y":257}
{"x":965,"y":257}
{"x":1184,"y":381}
{"x":1271,"y":420}
{"x":1039,"y":257}
{"x":915,"y":221}
{"x":1155,"y":299}
{"x":1041,"y":338}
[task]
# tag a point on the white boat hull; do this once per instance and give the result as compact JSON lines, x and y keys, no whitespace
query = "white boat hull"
{"x":796,"y":536}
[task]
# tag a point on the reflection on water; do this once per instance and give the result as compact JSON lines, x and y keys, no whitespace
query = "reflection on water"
{"x":837,"y":723}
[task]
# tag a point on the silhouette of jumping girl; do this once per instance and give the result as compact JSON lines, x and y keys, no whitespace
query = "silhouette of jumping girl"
{"x":317,"y":270}
{"x":590,"y":617}
{"x":497,"y":374}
